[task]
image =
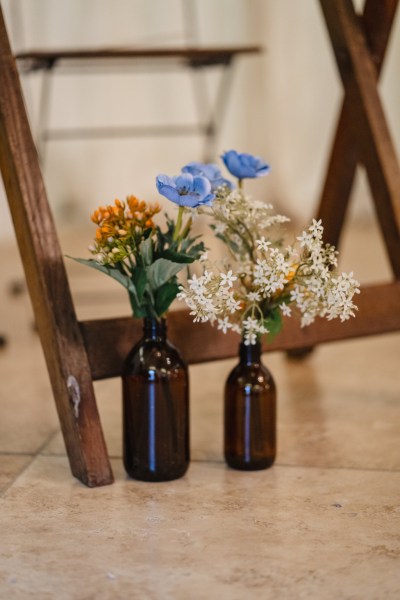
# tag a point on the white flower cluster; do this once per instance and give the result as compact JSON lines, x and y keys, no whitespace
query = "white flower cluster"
{"x":317,"y":290}
{"x":251,"y":295}
{"x":238,"y":220}
{"x":211,"y":295}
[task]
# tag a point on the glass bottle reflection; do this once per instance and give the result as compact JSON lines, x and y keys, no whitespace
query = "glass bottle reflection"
{"x":250,"y":413}
{"x":155,"y":408}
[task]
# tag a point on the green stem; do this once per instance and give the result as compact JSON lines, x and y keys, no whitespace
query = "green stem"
{"x":178,"y":224}
{"x":185,"y":230}
{"x":240,"y":184}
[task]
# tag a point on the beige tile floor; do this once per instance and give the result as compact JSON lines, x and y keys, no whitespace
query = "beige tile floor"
{"x":323,"y":523}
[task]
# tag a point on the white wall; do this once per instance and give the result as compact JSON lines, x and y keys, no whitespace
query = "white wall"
{"x":283,"y":104}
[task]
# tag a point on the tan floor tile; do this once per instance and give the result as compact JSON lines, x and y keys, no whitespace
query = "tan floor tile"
{"x":288,"y":532}
{"x":10,"y":467}
{"x":28,"y":414}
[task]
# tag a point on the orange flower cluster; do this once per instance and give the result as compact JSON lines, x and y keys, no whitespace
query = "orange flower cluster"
{"x":122,"y":220}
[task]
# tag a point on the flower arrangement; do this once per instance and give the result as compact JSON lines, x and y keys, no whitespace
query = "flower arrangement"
{"x":263,"y":279}
{"x":143,"y":257}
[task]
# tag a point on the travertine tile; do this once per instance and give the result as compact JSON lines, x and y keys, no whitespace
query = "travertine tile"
{"x":287,"y":532}
{"x":28,"y":414}
{"x":10,"y":467}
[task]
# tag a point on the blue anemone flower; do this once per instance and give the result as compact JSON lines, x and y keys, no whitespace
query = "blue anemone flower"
{"x":210,"y":171}
{"x":244,"y":165}
{"x":186,"y":189}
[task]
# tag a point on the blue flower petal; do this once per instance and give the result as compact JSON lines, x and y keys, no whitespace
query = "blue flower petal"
{"x":211,"y":171}
{"x":166,"y":187}
{"x":185,"y":189}
{"x":201,"y":185}
{"x":184,"y":183}
{"x":244,"y":165}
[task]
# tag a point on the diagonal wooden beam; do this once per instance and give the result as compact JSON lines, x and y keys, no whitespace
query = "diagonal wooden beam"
{"x":362,"y":130}
{"x":60,"y":335}
{"x":377,"y":21}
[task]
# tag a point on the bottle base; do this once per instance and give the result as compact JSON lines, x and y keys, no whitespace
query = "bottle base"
{"x":240,"y":464}
{"x":152,"y":476}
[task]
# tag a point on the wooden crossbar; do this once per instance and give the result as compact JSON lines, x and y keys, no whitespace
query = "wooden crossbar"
{"x":109,"y":340}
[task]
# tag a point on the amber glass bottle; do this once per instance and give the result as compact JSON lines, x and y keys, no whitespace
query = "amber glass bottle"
{"x":250,"y":413}
{"x":155,"y":408}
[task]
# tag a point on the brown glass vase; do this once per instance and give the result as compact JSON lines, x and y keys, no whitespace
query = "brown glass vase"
{"x":155,"y":408}
{"x":250,"y":413}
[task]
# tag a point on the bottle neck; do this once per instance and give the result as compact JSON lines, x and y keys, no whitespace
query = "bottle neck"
{"x":249,"y":354}
{"x":154,"y":329}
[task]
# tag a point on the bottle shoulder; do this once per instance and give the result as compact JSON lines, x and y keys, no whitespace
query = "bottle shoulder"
{"x":250,"y":373}
{"x":153,"y":354}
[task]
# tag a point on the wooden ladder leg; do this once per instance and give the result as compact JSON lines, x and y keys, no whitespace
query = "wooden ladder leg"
{"x":359,"y":54}
{"x":61,"y":338}
{"x":377,"y":21}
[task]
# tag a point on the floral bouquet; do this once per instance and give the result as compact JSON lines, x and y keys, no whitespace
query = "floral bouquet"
{"x":262,"y":279}
{"x":145,"y":258}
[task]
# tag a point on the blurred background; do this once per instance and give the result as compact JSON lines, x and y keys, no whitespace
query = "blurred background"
{"x":282,"y":104}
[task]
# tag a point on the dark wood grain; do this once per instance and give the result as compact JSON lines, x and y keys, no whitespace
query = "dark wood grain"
{"x":196,"y":56}
{"x":377,"y":21}
{"x":368,"y":123}
{"x":47,"y":282}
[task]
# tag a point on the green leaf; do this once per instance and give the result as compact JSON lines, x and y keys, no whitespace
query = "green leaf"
{"x":273,"y":322}
{"x":161,"y":270}
{"x":196,"y":250}
{"x":107,"y":269}
{"x":112,"y":272}
{"x":138,"y":310}
{"x":164,"y":296}
{"x":178,"y":257}
{"x":146,"y":251}
{"x":139,"y":279}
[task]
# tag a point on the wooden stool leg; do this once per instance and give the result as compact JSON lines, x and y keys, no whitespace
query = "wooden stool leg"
{"x":363,"y":113}
{"x":377,"y":21}
{"x":61,"y":338}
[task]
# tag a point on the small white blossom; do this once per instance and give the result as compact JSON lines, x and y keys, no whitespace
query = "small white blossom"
{"x":262,"y":243}
{"x":254,"y":296}
{"x":227,"y":279}
{"x":285,"y":309}
{"x":250,"y":338}
{"x":224,"y":324}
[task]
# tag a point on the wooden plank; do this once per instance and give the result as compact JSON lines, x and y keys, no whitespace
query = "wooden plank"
{"x":195,"y":52}
{"x":377,"y":20}
{"x":59,"y":332}
{"x":359,"y":77}
{"x":109,"y":340}
{"x":196,"y":56}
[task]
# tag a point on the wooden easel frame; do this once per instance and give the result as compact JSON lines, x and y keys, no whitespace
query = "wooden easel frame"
{"x":79,"y":352}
